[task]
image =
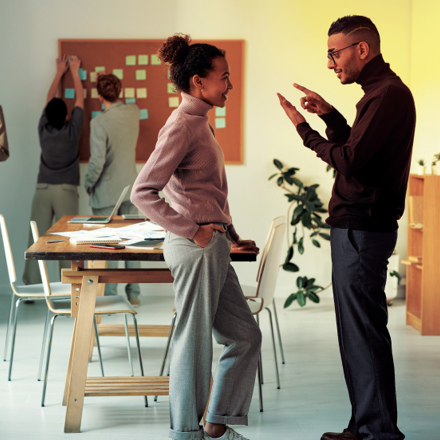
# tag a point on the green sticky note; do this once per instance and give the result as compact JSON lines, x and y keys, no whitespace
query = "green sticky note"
{"x":82,"y":74}
{"x":220,"y":123}
{"x":130,"y":101}
{"x":130,"y":60}
{"x":69,"y":93}
{"x":118,"y":73}
{"x":94,"y":114}
{"x":155,"y":60}
{"x":143,"y":114}
{"x":220,"y":111}
{"x":141,"y":74}
{"x":171,"y":88}
{"x":99,"y":69}
{"x":143,"y":60}
{"x":173,"y":102}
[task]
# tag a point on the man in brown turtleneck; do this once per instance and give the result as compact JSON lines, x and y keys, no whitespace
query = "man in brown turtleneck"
{"x":372,"y":162}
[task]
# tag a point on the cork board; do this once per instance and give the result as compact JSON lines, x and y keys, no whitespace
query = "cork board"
{"x":145,"y":81}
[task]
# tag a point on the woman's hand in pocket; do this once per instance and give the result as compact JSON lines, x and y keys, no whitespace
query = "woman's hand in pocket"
{"x":204,"y":234}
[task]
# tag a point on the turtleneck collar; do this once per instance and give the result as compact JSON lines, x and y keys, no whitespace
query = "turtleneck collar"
{"x":194,"y":106}
{"x":375,"y":70}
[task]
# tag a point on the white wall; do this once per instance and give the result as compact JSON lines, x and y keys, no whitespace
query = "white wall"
{"x":285,"y":42}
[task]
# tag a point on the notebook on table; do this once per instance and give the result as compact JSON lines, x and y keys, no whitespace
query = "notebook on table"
{"x":102,"y":218}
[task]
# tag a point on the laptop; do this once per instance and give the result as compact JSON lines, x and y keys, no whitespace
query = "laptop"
{"x":102,"y":219}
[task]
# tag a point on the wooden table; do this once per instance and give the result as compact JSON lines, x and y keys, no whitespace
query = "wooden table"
{"x":87,"y":283}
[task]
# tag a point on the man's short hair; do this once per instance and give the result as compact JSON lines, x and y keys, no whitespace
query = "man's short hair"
{"x":56,"y":112}
{"x":359,"y":28}
{"x":109,"y":87}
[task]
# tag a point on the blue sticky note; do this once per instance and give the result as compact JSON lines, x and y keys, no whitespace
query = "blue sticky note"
{"x":130,"y":101}
{"x":82,"y":74}
{"x":220,"y":111}
{"x":144,"y":114}
{"x":94,"y":114}
{"x":69,"y":93}
{"x":220,"y":123}
{"x":103,"y":106}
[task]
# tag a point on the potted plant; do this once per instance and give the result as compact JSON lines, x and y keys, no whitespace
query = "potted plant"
{"x":304,"y":211}
{"x":421,"y":167}
{"x":435,"y":167}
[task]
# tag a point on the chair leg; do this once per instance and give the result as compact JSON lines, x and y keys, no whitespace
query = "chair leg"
{"x":43,"y":344}
{"x":280,"y":342}
{"x":141,"y":365}
{"x":14,"y":333}
{"x":260,"y":381}
{"x":127,"y":333}
{"x":165,"y":356}
{"x":48,"y":351}
{"x":98,"y":345}
{"x":274,"y":348}
{"x":11,"y":314}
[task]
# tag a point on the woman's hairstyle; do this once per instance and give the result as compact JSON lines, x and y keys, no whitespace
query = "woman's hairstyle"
{"x":109,"y":87}
{"x":56,"y":112}
{"x":187,"y":60}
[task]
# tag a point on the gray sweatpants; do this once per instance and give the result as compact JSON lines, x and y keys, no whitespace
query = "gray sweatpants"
{"x":209,"y":301}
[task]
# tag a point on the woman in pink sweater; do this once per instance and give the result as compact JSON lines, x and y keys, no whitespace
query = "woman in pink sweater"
{"x":188,"y":165}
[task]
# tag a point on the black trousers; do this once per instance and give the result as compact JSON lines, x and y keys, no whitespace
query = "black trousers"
{"x":360,"y":261}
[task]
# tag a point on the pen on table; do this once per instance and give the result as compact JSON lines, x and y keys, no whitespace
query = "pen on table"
{"x":55,"y":241}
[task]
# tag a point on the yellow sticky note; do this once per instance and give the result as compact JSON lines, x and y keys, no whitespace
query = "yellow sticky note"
{"x":129,"y":93}
{"x":94,"y":93}
{"x":220,"y":123}
{"x":99,"y":69}
{"x":85,"y":93}
{"x":118,"y":73}
{"x":155,"y":60}
{"x":141,"y":93}
{"x":141,"y":74}
{"x":173,"y":102}
{"x":171,"y":88}
{"x":130,"y":60}
{"x":143,"y":60}
{"x":93,"y":76}
{"x":121,"y":95}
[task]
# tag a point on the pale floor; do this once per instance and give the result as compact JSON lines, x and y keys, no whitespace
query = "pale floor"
{"x":312,"y":398}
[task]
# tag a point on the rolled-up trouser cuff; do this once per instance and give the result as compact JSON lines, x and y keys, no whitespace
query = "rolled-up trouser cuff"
{"x":227,"y":420}
{"x":193,"y":435}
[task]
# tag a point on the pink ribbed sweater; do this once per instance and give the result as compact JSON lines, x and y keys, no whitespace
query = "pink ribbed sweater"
{"x":188,"y":165}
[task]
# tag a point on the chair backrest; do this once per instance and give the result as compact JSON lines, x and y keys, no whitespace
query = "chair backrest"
{"x":275,"y":222}
{"x":41,"y":263}
{"x":8,"y":252}
{"x":270,"y":265}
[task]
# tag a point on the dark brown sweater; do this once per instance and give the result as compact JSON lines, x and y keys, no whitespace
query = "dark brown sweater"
{"x":372,"y":158}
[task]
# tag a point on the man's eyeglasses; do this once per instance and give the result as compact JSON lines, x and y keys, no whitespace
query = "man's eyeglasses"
{"x":331,"y":55}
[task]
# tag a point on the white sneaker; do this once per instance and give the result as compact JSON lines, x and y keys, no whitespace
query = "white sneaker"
{"x":229,"y":434}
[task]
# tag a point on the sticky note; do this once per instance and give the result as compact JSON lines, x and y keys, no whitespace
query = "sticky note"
{"x":99,"y":69}
{"x":168,"y":73}
{"x":121,"y":93}
{"x":144,"y":114}
{"x":129,"y":93}
{"x":220,"y":111}
{"x":82,"y":74}
{"x":118,"y":73}
{"x":69,"y":93}
{"x":103,"y":106}
{"x":173,"y":102}
{"x":94,"y":93}
{"x":93,"y":76}
{"x":141,"y":93}
{"x":220,"y":123}
{"x":171,"y":88}
{"x":155,"y":60}
{"x":94,"y":114}
{"x":130,"y":60}
{"x":130,"y":101}
{"x":142,"y":60}
{"x":141,"y":74}
{"x":85,"y":93}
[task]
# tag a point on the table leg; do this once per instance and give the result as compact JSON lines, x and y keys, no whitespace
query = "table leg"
{"x":79,"y":357}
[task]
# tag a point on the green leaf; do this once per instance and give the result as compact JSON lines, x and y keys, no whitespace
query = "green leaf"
{"x":272,"y":176}
{"x":316,"y":243}
{"x":306,"y":219}
{"x":313,"y":234}
{"x":278,"y":164}
{"x":396,"y":274}
{"x":300,"y":282}
{"x":301,"y":245}
{"x":310,"y":283}
{"x":297,"y":182}
{"x":324,"y":236}
{"x":289,"y":300}
{"x":280,"y":181}
{"x":300,"y":297}
{"x":289,"y":254}
{"x":313,"y":297}
{"x":290,"y":267}
{"x":309,"y":206}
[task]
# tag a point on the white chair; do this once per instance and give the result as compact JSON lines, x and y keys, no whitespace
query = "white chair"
{"x":261,"y":296}
{"x":105,"y":305}
{"x":22,"y":293}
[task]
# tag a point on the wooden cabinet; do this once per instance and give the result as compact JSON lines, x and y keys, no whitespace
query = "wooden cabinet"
{"x":423,"y":255}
